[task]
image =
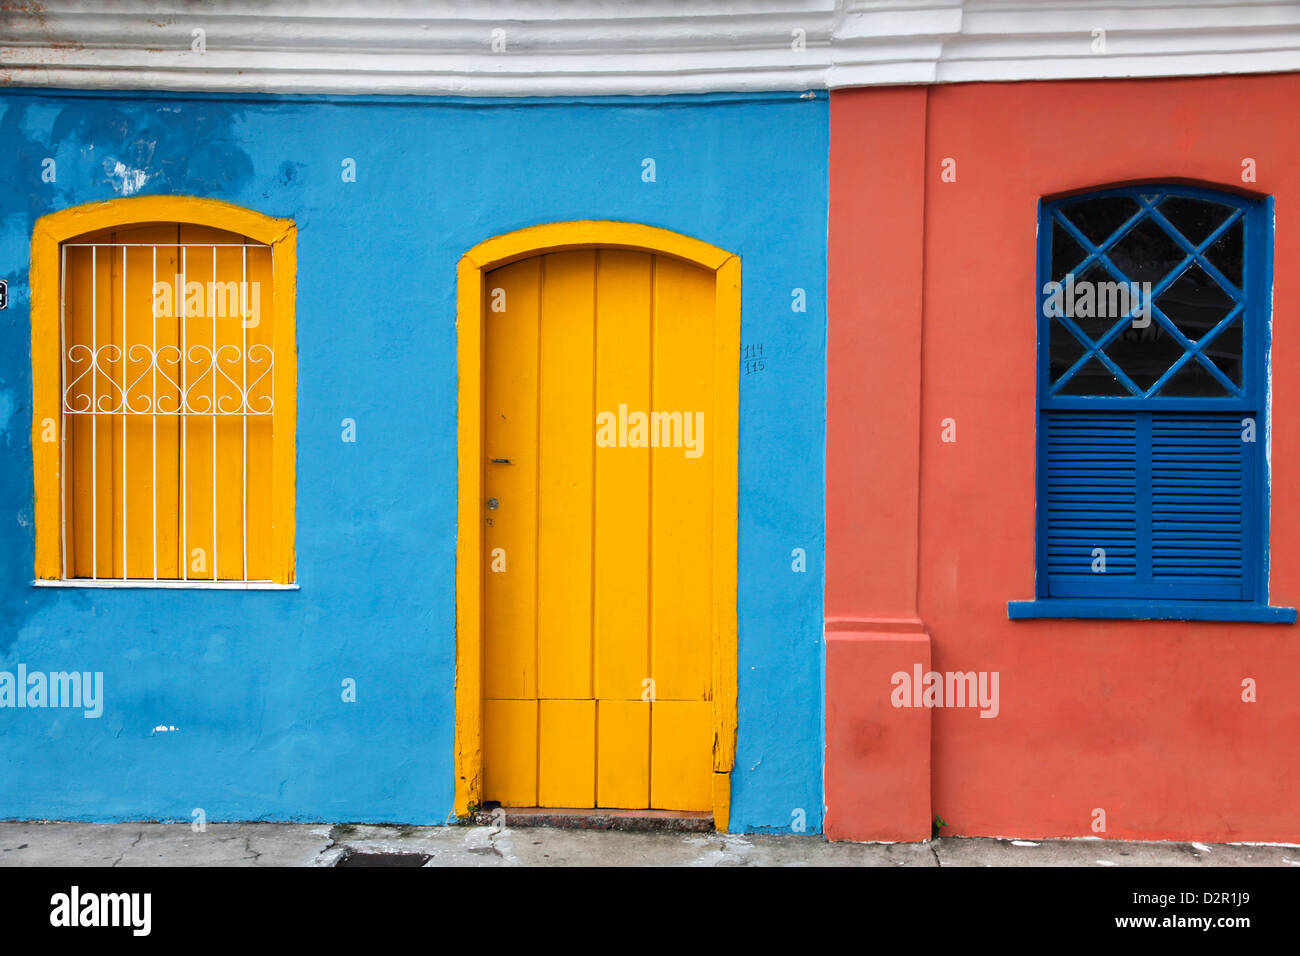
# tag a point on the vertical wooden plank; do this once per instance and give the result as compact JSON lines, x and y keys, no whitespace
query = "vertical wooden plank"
{"x":107,"y":466}
{"x":199,"y":434}
{"x":566,"y":763}
{"x":77,"y":379}
{"x":137,"y":265}
{"x":565,"y":478}
{"x":114,"y":365}
{"x":227,"y":306}
{"x":139,"y":323}
{"x":623,"y":754}
{"x":510,"y":478}
{"x":510,"y":752}
{"x":622,"y":489}
{"x":260,"y":344}
{"x":682,"y":481}
{"x":681,"y":758}
{"x":104,"y":424}
{"x":166,"y":431}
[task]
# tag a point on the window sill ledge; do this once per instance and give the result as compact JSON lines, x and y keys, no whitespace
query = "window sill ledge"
{"x":1120,"y":610}
{"x":170,"y":585}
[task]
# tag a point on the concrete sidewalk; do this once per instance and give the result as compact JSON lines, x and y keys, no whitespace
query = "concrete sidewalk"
{"x":307,"y":844}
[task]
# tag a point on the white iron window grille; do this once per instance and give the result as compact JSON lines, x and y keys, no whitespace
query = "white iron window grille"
{"x":167,"y":396}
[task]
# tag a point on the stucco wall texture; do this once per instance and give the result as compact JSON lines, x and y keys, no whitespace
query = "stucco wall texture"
{"x":931,"y":301}
{"x":251,"y":681}
{"x":932,"y":305}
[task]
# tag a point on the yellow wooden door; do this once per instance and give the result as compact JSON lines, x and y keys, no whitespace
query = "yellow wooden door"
{"x":598,"y":532}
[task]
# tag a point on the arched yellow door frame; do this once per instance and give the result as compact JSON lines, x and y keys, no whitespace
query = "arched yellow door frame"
{"x":471,"y":272}
{"x":56,"y":228}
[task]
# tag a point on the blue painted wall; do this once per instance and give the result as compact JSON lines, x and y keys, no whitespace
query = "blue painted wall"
{"x":252,"y":680}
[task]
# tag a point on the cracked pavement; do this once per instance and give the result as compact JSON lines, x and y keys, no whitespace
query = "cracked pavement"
{"x":314,"y":844}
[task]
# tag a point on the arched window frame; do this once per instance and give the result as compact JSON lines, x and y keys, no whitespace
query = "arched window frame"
{"x":49,"y":233}
{"x":1251,"y":398}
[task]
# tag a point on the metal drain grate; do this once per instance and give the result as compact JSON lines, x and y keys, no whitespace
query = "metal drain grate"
{"x":355,"y":858}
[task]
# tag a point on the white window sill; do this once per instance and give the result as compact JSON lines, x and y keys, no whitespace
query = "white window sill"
{"x":168,"y":585}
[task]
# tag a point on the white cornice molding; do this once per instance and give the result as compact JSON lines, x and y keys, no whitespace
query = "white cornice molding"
{"x":600,"y":47}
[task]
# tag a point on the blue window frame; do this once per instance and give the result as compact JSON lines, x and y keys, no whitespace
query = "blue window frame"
{"x":1153,"y":334}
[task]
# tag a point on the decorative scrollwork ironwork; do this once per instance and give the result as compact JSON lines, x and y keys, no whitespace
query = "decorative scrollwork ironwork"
{"x":212,"y":380}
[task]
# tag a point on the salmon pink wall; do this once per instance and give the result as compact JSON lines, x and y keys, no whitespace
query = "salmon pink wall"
{"x":1142,"y":720}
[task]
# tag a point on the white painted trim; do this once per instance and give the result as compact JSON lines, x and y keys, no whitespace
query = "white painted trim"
{"x":169,"y":585}
{"x":601,"y":47}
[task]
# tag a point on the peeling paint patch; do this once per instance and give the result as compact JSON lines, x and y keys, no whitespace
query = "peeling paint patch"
{"x":125,"y":180}
{"x":160,"y":148}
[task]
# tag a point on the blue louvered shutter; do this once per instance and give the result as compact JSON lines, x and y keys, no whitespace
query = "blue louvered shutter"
{"x":1091,"y":510}
{"x":1151,"y":505}
{"x":1199,"y":499}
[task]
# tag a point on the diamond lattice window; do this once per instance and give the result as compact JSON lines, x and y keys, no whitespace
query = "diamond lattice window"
{"x":1153,"y":336}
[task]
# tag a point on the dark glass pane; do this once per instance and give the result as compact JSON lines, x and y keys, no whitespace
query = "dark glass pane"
{"x":1146,"y":253}
{"x":1066,"y":253}
{"x":1098,"y":218}
{"x":1093,"y":379}
{"x":1194,"y":218}
{"x":1193,"y":381}
{"x":1226,"y":253}
{"x":1195,"y":303}
{"x":1091,"y":301}
{"x":1065,"y":350}
{"x":1145,"y":354}
{"x":1224,"y":350}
